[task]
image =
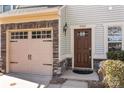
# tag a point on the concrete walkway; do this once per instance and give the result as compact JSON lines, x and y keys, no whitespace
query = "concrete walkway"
{"x":75,"y":80}
{"x":75,"y":84}
{"x":70,"y":84}
{"x":71,"y":75}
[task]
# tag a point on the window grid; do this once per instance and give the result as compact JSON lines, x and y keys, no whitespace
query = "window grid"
{"x":45,"y":34}
{"x":19,"y":35}
{"x":41,"y":34}
{"x":114,"y":38}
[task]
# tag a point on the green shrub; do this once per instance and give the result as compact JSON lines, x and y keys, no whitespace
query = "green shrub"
{"x":113,"y":73}
{"x":116,"y":55}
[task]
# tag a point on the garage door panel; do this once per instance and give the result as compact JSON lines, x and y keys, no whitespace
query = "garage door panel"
{"x":18,"y":51}
{"x":34,"y":55}
{"x":41,"y":51}
{"x":42,"y":70}
{"x":18,"y":54}
{"x":41,"y":54}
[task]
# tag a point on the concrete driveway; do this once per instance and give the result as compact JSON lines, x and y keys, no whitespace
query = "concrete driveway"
{"x":23,"y":81}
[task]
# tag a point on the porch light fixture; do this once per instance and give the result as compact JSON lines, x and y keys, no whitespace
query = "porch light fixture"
{"x":65,"y":27}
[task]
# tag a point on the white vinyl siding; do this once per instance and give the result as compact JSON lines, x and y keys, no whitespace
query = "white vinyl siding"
{"x":99,"y":39}
{"x":78,"y":14}
{"x":62,"y":45}
{"x":95,"y":15}
{"x":68,"y":43}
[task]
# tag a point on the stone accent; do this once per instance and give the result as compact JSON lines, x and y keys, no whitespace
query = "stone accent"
{"x":96,"y":84}
{"x":1,"y":64}
{"x":96,"y":63}
{"x":30,"y":25}
{"x":63,"y":66}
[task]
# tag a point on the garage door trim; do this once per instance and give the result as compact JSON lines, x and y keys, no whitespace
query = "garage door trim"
{"x":8,"y":45}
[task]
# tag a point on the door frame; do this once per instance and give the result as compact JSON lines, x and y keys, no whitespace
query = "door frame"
{"x":92,"y":27}
{"x":8,"y":43}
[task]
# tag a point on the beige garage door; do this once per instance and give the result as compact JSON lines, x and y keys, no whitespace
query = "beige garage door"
{"x":31,"y":52}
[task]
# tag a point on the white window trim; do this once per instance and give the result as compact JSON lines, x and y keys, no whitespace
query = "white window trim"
{"x":106,"y":25}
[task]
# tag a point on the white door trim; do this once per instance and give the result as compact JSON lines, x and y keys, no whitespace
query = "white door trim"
{"x":8,"y":44}
{"x":92,"y":27}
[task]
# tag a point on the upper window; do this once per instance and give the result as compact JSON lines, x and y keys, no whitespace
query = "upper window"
{"x":6,"y":8}
{"x":1,"y":8}
{"x":114,"y":38}
{"x":14,"y":6}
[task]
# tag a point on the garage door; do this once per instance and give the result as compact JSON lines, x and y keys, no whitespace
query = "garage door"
{"x":31,"y":52}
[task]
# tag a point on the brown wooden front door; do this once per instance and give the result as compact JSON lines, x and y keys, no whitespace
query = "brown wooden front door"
{"x":82,"y":48}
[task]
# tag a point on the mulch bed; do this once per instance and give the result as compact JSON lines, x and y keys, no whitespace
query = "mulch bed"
{"x":96,"y":84}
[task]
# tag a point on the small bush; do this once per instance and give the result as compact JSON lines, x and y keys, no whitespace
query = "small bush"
{"x":113,"y":71}
{"x":116,"y":55}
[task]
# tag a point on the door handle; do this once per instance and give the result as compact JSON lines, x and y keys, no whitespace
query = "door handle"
{"x":29,"y":57}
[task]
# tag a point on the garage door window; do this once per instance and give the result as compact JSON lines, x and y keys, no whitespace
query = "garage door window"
{"x":45,"y":34}
{"x":19,"y":35}
{"x":41,"y":34}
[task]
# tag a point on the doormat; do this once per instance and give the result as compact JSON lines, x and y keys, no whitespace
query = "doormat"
{"x":82,"y":71}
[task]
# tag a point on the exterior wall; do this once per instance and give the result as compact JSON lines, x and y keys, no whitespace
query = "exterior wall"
{"x":1,"y":11}
{"x":62,"y":45}
{"x":29,"y":25}
{"x":64,"y":38}
{"x":93,"y":15}
{"x":64,"y":61}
